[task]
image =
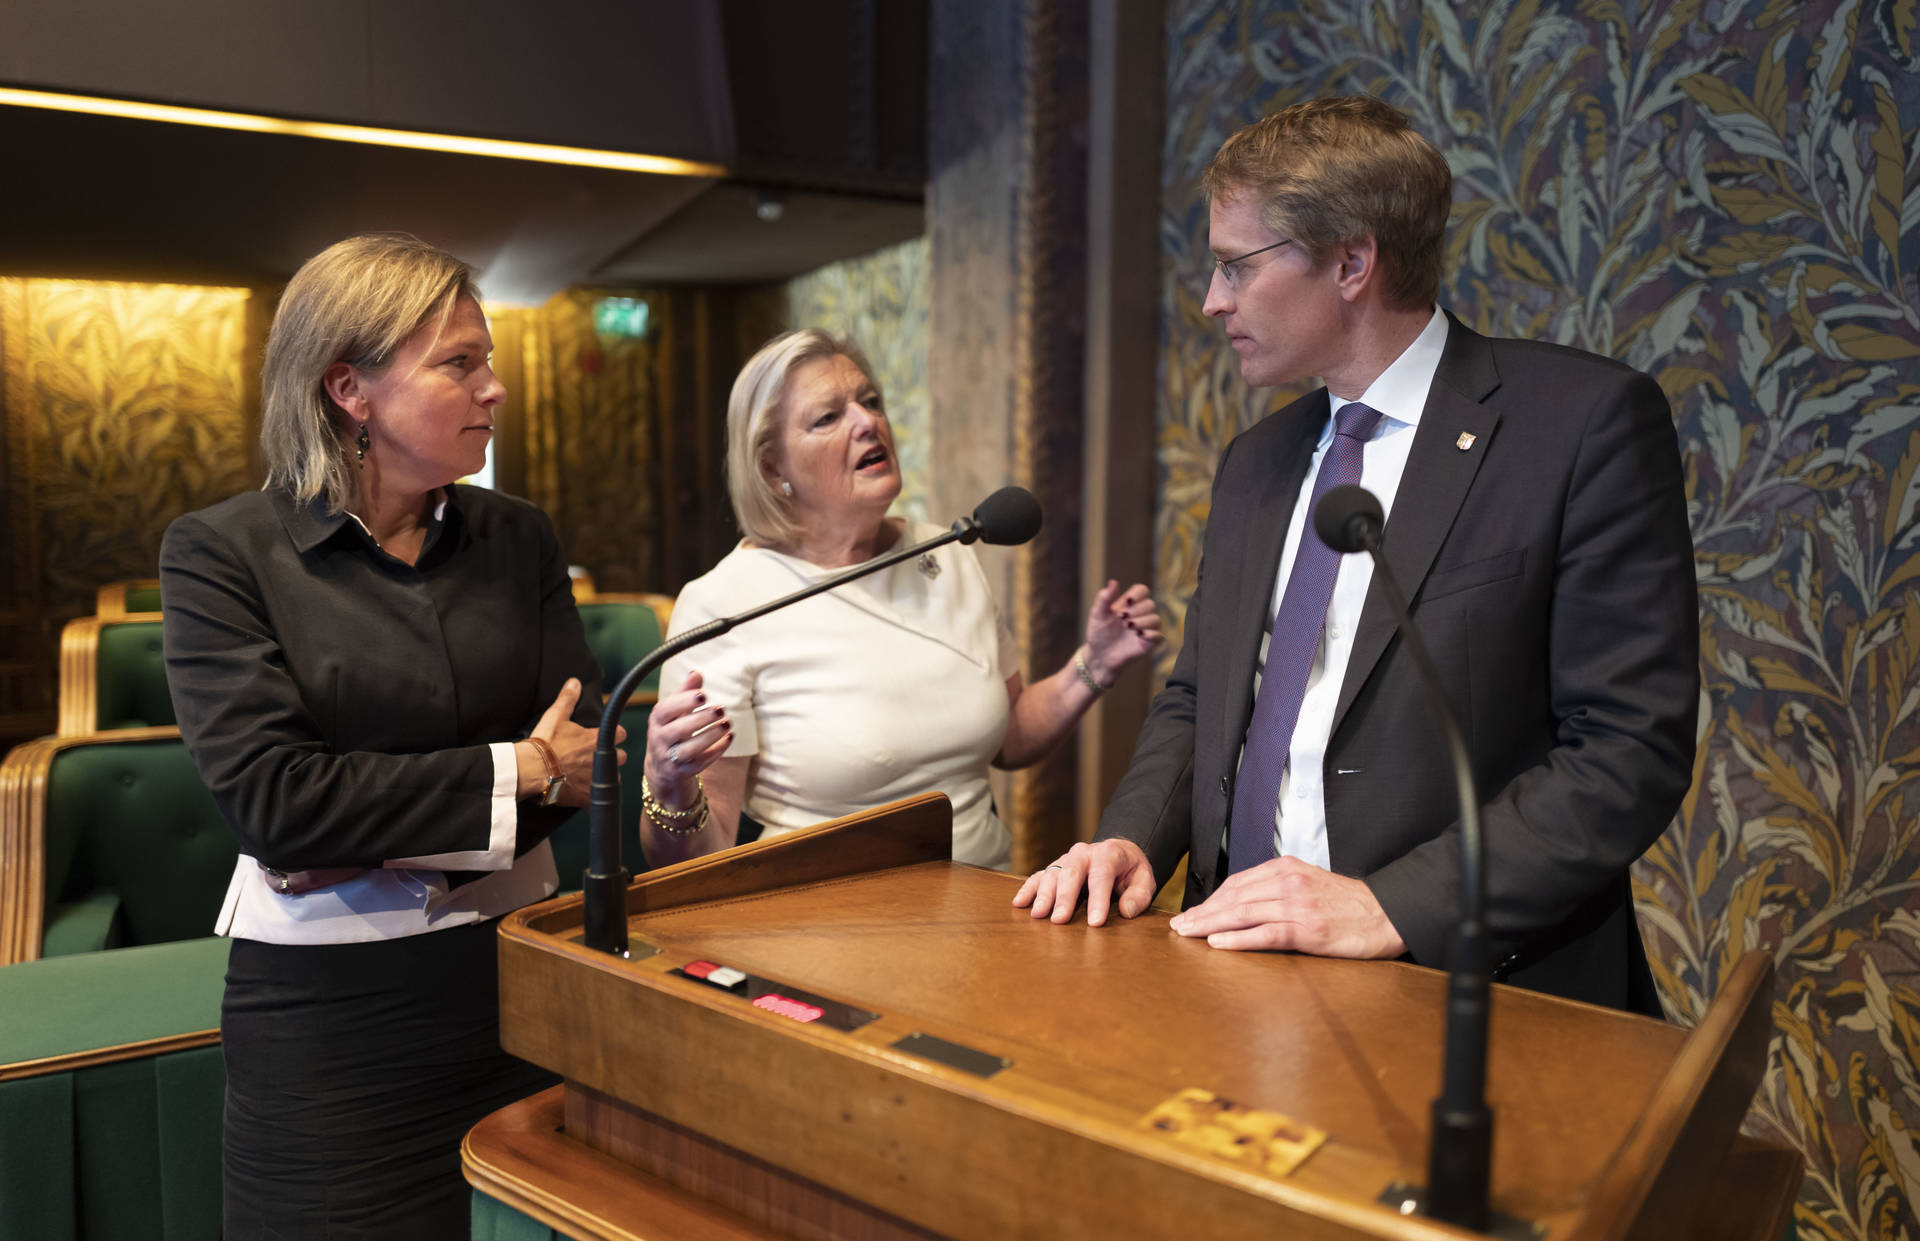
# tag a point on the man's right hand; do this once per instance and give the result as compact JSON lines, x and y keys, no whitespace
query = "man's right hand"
{"x":1106,"y":869}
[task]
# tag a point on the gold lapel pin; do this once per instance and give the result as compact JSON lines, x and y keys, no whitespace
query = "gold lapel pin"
{"x":1465,"y":441}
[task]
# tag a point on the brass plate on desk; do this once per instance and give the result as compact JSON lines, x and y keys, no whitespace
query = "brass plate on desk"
{"x":1263,"y":1141}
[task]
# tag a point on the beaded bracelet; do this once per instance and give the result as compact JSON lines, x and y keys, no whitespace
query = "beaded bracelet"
{"x":674,"y":822}
{"x":1086,"y":675}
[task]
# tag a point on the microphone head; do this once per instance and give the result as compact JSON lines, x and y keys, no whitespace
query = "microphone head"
{"x":1008,"y":517}
{"x":1349,"y":519}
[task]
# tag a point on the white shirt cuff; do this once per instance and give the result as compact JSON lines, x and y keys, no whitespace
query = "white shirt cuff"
{"x":503,"y":829}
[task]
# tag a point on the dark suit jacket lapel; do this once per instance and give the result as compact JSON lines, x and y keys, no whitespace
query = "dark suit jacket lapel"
{"x":1431,"y":491}
{"x":1289,"y":450}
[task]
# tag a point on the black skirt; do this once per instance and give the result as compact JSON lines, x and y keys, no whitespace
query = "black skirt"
{"x":353,"y":1073}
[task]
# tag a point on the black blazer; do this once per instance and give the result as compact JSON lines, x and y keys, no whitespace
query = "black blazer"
{"x":1549,"y":566}
{"x":339,"y":703}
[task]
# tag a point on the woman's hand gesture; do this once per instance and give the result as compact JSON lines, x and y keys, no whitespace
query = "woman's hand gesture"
{"x":685,"y":736}
{"x":1121,"y":627}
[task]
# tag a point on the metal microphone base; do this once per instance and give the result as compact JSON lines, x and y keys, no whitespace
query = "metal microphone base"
{"x":1412,"y":1200}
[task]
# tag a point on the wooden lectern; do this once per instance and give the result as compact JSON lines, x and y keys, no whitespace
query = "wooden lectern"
{"x":841,"y":1033}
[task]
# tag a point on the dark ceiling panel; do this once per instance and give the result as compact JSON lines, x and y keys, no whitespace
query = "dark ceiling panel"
{"x":136,"y":200}
{"x":824,"y":100}
{"x":625,"y":75}
{"x":719,"y":237}
{"x":830,"y":94}
{"x":296,"y":58}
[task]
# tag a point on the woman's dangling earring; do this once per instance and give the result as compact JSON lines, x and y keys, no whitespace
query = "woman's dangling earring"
{"x":360,"y":447}
{"x":786,"y":488}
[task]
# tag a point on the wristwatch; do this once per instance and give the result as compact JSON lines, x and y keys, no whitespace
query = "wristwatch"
{"x":556,"y":779}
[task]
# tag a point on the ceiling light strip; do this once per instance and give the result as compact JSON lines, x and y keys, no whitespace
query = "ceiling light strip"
{"x":414,"y":140}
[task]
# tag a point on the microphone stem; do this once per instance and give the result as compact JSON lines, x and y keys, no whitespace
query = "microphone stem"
{"x":604,"y":889}
{"x":1460,"y":1152}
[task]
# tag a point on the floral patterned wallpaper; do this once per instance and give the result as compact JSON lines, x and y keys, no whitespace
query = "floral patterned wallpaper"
{"x":1727,"y":196}
{"x":122,"y":406}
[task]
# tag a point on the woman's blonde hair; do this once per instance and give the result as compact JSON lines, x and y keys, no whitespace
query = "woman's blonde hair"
{"x":357,"y":301}
{"x":753,"y":428}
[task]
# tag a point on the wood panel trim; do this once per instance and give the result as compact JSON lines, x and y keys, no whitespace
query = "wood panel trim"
{"x":520,"y":1156}
{"x":1125,"y":119}
{"x":1047,"y":416}
{"x":902,"y":833}
{"x":23,"y":859}
{"x":757,"y":1190}
{"x":1649,"y":1189}
{"x":95,"y":1056}
{"x":1754,"y":1193}
{"x":110,"y":601}
{"x":79,"y":687}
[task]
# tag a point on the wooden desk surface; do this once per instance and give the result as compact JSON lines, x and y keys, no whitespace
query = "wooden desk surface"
{"x":1111,"y":1021}
{"x":1101,"y":1025}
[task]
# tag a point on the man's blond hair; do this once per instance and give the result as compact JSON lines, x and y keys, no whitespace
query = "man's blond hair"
{"x":1335,"y":170}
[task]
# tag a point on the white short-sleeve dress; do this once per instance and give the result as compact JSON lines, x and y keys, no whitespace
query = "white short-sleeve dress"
{"x":885,"y":688}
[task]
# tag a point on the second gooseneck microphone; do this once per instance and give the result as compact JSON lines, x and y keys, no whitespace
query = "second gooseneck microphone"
{"x":1459,"y":1154}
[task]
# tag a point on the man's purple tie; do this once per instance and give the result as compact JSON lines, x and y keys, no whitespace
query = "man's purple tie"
{"x":1294,"y":642}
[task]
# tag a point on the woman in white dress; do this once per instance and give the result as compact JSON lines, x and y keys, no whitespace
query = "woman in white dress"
{"x":901,"y":683}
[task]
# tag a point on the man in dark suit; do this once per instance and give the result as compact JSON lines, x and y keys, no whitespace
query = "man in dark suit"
{"x":1537,"y":521}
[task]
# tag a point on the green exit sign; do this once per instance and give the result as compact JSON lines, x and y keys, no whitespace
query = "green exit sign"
{"x":620,"y":316}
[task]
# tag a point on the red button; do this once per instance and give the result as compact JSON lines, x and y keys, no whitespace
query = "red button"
{"x":790,"y":1008}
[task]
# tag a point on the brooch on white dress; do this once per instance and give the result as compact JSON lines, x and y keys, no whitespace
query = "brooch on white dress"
{"x":929,"y":567}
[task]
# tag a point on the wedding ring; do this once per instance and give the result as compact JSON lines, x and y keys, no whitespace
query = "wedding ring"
{"x":673,"y":754}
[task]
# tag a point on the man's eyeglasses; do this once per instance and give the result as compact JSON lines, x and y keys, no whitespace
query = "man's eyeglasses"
{"x":1231,"y":269}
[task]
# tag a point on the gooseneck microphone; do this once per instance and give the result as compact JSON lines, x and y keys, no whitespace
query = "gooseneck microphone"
{"x":1009,"y":516}
{"x":1459,"y":1156}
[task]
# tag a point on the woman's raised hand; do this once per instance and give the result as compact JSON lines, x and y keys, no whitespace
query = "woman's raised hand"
{"x":1121,"y":627}
{"x":685,"y":736}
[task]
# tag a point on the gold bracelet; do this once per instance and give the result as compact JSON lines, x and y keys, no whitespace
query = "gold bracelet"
{"x":674,"y":822}
{"x":1086,"y":674}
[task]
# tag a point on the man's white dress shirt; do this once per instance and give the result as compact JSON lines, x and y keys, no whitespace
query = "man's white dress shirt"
{"x":1400,"y":393}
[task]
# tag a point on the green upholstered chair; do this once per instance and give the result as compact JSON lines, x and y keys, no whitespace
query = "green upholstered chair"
{"x":110,"y":1094}
{"x":112,"y":675}
{"x":107,"y":840}
{"x":140,"y":594}
{"x":622,"y":629}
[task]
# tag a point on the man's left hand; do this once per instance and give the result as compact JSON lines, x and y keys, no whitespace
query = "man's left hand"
{"x":1291,"y":905}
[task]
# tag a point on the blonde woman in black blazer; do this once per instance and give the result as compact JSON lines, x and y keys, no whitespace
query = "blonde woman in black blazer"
{"x":382,"y":679}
